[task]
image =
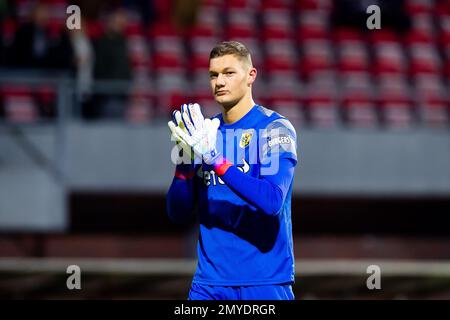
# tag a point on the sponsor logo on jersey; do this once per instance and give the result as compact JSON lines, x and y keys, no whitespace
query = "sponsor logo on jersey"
{"x":282,"y":139}
{"x":210,"y":177}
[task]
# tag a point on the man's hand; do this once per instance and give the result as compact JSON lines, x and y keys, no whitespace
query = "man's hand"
{"x":182,"y":146}
{"x":196,"y":132}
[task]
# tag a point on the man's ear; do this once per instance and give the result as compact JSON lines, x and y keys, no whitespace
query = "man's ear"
{"x":251,"y":75}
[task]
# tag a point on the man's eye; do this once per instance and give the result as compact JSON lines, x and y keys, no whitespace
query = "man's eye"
{"x":230,"y":72}
{"x":212,"y":76}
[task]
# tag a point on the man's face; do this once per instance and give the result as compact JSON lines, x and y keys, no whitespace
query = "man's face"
{"x":229,"y":79}
{"x":40,"y":15}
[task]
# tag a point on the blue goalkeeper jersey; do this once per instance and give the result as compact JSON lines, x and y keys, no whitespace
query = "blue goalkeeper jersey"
{"x":238,"y":243}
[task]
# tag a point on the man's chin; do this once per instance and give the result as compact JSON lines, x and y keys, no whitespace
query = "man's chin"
{"x":226,"y":102}
{"x":221,"y":100}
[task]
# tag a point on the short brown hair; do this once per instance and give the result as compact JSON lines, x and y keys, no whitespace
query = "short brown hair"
{"x":231,"y":47}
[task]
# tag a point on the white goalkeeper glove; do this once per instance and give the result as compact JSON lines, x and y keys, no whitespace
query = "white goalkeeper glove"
{"x":187,"y":154}
{"x":196,"y":132}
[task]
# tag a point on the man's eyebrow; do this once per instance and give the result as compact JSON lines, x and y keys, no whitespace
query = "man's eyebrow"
{"x":224,"y":70}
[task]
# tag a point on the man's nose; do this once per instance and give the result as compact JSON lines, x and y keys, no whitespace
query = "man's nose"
{"x":220,"y":80}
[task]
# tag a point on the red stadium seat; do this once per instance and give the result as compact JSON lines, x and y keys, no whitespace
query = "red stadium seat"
{"x":429,"y":86}
{"x":209,"y":18}
{"x":432,"y":97}
{"x":290,"y":108}
{"x":322,"y":111}
{"x":95,"y":29}
{"x":435,"y":113}
{"x":416,"y":7}
{"x":140,"y":105}
{"x":316,"y":57}
{"x":360,"y":112}
{"x":204,"y":97}
{"x":325,"y":5}
{"x":393,"y":86}
{"x":421,"y":42}
{"x":171,"y":85}
{"x":241,"y":4}
{"x":424,"y":58}
{"x":201,"y":40}
{"x":283,"y":92}
{"x":357,"y":99}
{"x":447,"y":69}
{"x":281,"y":55}
{"x":312,"y":25}
{"x":19,"y":104}
{"x":423,"y":24}
{"x":277,"y":22}
{"x":444,"y":24}
{"x":240,"y":23}
{"x":442,"y":7}
{"x":319,"y":98}
{"x":397,"y":114}
{"x":169,"y":101}
{"x":134,"y":28}
{"x":352,"y":51}
{"x":445,"y":41}
{"x":389,"y":55}
{"x":212,"y":3}
{"x":395,"y":98}
{"x":277,"y":4}
{"x":138,"y":51}
{"x":168,"y":49}
{"x":163,"y":9}
{"x":283,"y":84}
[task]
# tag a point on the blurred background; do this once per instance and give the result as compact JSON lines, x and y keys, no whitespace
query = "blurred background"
{"x":85,"y":150}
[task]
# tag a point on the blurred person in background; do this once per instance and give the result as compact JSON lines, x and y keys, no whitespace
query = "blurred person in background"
{"x":35,"y":48}
{"x":31,"y":47}
{"x":185,"y":13}
{"x":111,"y":57}
{"x":83,"y":60}
{"x":7,"y":11}
{"x":111,"y":63}
{"x":145,"y":8}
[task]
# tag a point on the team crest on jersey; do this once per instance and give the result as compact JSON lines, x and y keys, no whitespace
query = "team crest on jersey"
{"x":245,"y":139}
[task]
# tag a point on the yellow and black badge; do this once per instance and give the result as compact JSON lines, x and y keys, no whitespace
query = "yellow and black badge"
{"x":245,"y":139}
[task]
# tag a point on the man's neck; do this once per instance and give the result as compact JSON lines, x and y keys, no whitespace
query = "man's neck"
{"x":239,"y":110}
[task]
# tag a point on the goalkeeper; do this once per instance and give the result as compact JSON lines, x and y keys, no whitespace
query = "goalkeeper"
{"x":237,"y":175}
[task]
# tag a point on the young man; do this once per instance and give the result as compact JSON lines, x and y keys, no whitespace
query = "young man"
{"x":240,"y":184}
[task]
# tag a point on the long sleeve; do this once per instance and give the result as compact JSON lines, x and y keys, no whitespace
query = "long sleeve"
{"x":266,"y":193}
{"x":180,"y":198}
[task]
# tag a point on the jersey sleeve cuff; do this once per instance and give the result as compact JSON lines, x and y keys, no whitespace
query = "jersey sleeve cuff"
{"x":221,"y":166}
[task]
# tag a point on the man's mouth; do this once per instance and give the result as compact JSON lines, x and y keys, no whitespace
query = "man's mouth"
{"x":221,"y":93}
